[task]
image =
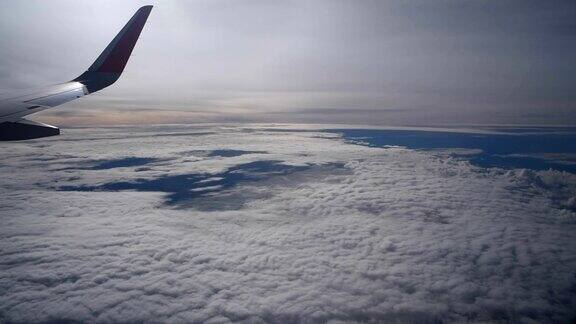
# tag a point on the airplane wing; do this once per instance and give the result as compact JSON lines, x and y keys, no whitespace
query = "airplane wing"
{"x":103,"y":72}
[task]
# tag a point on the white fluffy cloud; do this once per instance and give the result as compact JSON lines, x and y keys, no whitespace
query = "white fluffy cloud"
{"x":386,"y":235}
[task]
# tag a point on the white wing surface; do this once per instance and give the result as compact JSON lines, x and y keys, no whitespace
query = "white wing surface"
{"x":103,"y":72}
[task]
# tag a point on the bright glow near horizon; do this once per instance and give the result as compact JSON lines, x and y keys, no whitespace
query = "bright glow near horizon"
{"x":373,"y":62}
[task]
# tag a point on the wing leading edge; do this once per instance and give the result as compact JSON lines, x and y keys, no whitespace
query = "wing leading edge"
{"x":103,"y":72}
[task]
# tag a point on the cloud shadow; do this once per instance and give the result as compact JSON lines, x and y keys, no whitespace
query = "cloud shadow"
{"x":183,"y":189}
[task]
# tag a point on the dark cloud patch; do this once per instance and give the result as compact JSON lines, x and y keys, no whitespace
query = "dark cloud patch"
{"x":182,"y":189}
{"x":106,"y":164}
{"x":231,"y":153}
{"x":221,"y":153}
{"x":123,"y":163}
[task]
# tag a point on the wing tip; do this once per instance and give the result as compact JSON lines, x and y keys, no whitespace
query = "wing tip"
{"x":146,"y":8}
{"x":111,"y":62}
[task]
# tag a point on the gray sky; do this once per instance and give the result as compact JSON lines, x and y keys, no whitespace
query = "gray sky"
{"x":376,"y":62}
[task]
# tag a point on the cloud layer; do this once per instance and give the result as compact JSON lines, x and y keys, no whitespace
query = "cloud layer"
{"x":351,"y":233}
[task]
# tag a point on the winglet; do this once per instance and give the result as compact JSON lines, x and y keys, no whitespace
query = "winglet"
{"x":111,"y":62}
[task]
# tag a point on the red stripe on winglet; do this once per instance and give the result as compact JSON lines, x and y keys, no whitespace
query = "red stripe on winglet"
{"x":118,"y":57}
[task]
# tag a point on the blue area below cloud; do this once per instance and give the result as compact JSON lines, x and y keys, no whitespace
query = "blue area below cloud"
{"x":496,"y":148}
{"x":185,"y":187}
{"x":232,"y":153}
{"x":123,"y":163}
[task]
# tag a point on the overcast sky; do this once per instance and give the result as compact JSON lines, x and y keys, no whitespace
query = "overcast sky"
{"x":376,"y":62}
